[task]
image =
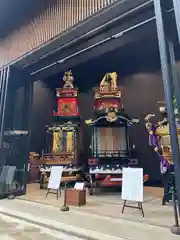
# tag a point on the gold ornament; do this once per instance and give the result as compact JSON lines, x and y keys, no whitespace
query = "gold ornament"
{"x":109,"y":82}
{"x":68,"y":79}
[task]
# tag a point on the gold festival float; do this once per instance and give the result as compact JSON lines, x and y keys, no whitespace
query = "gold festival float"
{"x":63,"y":136}
{"x":159,"y":139}
{"x":159,"y":136}
{"x":110,"y":148}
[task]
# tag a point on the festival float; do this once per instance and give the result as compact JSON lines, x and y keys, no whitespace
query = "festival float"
{"x":159,"y":139}
{"x":63,"y":137}
{"x":110,"y":146}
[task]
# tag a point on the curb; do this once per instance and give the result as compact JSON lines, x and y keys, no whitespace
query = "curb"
{"x":71,"y":230}
{"x":127,"y":219}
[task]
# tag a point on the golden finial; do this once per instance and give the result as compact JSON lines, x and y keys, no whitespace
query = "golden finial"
{"x":109,"y":82}
{"x":68,"y":79}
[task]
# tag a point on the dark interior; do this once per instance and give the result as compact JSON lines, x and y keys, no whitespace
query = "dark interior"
{"x":138,"y":68}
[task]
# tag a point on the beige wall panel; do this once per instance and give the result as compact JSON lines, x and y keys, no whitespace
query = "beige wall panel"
{"x":50,"y":23}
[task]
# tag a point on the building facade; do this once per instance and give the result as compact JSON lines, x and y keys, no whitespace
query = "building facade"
{"x":55,"y":36}
{"x":52,"y":19}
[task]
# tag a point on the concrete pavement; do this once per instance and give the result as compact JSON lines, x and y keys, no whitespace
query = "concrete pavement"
{"x":14,"y":229}
{"x":83,"y":225}
{"x":110,"y":205}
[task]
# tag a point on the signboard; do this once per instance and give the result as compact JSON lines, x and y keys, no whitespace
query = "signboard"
{"x":7,"y":174}
{"x":55,"y":177}
{"x":79,"y":186}
{"x":10,"y":175}
{"x":132,"y":184}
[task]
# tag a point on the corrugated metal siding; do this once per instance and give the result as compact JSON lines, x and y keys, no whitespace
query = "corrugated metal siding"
{"x":53,"y":21}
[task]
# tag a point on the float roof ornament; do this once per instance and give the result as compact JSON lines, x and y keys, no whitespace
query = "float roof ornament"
{"x":68,"y":79}
{"x":108,"y":87}
{"x":68,"y":89}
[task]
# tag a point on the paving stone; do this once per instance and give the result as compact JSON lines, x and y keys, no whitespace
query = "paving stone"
{"x":32,"y":230}
{"x":14,"y":231}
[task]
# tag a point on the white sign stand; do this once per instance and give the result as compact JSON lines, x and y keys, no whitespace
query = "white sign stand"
{"x":55,"y":179}
{"x":132,"y":187}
